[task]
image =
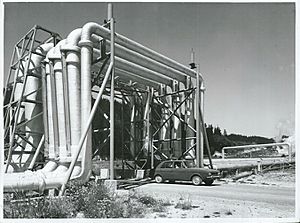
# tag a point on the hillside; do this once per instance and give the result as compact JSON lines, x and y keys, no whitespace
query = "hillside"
{"x":219,"y":139}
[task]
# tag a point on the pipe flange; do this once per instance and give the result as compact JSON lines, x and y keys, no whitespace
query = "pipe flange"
{"x":70,"y":47}
{"x":87,"y":43}
{"x":54,"y":56}
{"x":57,"y":66}
{"x":41,"y":179}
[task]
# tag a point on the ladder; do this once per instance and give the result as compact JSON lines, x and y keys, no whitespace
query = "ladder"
{"x":19,"y":70}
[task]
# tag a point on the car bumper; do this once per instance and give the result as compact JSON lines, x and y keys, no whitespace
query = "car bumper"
{"x":214,"y":176}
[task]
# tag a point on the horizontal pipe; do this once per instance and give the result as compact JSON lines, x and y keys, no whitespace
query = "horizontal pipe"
{"x":37,"y":180}
{"x":139,"y":70}
{"x":94,"y":28}
{"x":144,"y":61}
{"x":257,"y":146}
{"x":126,"y":76}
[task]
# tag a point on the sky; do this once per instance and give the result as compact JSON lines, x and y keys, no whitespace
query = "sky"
{"x":246,"y":52}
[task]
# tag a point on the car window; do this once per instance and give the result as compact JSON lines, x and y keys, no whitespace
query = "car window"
{"x":167,"y":165}
{"x":177,"y":164}
{"x":189,"y":164}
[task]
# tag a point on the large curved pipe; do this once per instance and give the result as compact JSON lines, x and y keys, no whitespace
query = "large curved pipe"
{"x":94,"y":28}
{"x":38,"y":180}
{"x":53,"y":174}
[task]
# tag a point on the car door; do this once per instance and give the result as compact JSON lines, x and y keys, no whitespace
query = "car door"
{"x":179,"y":171}
{"x":166,"y":170}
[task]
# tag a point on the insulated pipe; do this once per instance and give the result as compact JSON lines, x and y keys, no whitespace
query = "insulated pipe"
{"x":86,"y":130}
{"x":176,"y":131}
{"x":56,"y":102}
{"x":258,"y":146}
{"x":144,"y":61}
{"x":72,"y":52}
{"x":125,"y":75}
{"x":86,"y":97}
{"x":36,"y":181}
{"x":94,"y":28}
{"x":143,"y":72}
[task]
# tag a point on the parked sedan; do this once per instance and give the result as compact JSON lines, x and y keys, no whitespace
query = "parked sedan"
{"x":183,"y":170}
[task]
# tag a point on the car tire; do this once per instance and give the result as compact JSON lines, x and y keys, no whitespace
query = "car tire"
{"x":208,"y":182}
{"x":196,"y":180}
{"x":158,"y":179}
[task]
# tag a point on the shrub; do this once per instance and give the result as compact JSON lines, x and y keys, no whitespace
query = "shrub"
{"x":91,"y":200}
{"x":184,"y":204}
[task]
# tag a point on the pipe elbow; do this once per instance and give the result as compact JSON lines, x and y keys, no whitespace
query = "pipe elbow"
{"x":86,"y":33}
{"x":72,"y":41}
{"x":54,"y":53}
{"x":74,"y":37}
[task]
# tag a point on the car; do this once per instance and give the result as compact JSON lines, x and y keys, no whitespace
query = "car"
{"x":184,"y":170}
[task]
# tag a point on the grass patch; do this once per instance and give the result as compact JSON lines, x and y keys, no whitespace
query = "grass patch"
{"x":184,"y":204}
{"x":91,"y":200}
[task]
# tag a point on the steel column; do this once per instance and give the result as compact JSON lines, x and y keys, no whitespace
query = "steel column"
{"x":112,"y":89}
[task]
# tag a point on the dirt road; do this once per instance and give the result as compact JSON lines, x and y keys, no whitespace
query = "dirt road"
{"x":225,"y":200}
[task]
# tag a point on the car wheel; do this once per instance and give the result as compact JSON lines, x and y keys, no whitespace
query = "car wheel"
{"x":158,"y":179}
{"x":208,"y":182}
{"x":196,"y":180}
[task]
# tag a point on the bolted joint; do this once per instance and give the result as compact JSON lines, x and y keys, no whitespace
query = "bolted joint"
{"x":69,"y":47}
{"x":86,"y":43}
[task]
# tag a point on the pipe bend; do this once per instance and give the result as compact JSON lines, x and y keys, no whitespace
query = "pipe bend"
{"x":90,"y":28}
{"x":54,"y":53}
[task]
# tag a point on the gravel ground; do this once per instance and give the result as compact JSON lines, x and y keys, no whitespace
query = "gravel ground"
{"x":281,"y":178}
{"x":217,"y":207}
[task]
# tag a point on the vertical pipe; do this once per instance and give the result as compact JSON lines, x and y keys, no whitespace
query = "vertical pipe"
{"x":87,"y":127}
{"x":45,"y":111}
{"x":66,"y":106}
{"x":112,"y":90}
{"x":149,"y":132}
{"x":201,"y":119}
{"x":132,"y":125}
{"x":199,"y":150}
{"x":164,"y":116}
{"x":54,"y":110}
{"x":86,"y":103}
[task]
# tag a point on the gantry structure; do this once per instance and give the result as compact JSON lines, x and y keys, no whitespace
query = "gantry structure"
{"x":93,"y":94}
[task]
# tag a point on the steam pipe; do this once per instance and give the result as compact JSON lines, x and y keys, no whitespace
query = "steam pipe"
{"x":86,"y":130}
{"x":51,"y":176}
{"x":142,"y":71}
{"x":94,"y":28}
{"x":258,"y":146}
{"x":144,"y":61}
{"x":72,"y":60}
{"x":124,"y":75}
